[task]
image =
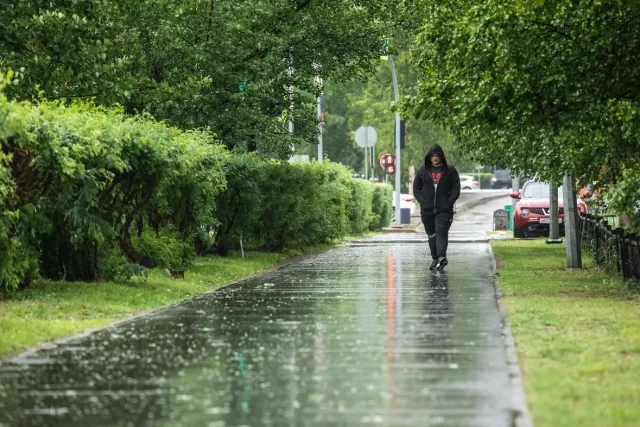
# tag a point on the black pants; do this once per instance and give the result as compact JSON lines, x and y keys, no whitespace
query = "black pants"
{"x":437,"y":228}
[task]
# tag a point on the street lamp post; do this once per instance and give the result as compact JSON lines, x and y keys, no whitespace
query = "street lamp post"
{"x":396,"y":93}
{"x":320,"y":118}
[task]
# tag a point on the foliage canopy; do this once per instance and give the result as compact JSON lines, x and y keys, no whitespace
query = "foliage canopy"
{"x":540,"y":87}
{"x":216,"y":64}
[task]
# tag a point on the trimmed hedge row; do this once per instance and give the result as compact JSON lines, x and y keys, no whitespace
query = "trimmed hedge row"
{"x":275,"y":205}
{"x":88,"y":193}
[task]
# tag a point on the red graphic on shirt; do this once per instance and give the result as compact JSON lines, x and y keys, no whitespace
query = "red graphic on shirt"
{"x":435,"y":176}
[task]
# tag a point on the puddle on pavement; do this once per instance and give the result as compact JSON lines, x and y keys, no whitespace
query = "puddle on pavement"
{"x":354,"y":336}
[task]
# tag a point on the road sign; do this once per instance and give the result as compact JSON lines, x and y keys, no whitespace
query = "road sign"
{"x":387,"y":160}
{"x":390,"y":169}
{"x":366,"y":136}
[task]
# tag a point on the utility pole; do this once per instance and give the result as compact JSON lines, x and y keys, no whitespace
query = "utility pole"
{"x":396,"y":92}
{"x":366,"y":159}
{"x":574,"y":255}
{"x":554,"y":227}
{"x":290,"y":75}
{"x":320,"y":118}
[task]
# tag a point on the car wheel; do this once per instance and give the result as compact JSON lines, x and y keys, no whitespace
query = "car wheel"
{"x":517,"y":232}
{"x":466,"y":188}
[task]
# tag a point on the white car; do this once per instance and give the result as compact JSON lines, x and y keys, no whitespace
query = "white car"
{"x":406,"y":202}
{"x":468,"y":183}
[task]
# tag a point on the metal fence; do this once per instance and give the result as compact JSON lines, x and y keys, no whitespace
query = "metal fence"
{"x":610,"y":247}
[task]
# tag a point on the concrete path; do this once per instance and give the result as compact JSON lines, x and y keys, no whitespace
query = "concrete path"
{"x":359,"y":335}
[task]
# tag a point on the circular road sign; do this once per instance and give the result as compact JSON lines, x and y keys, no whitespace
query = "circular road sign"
{"x":366,"y":136}
{"x":387,"y":160}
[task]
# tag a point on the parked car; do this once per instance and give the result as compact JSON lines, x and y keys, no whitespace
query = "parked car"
{"x":532,"y":213}
{"x":468,"y":183}
{"x":501,"y":179}
{"x":407,"y":201}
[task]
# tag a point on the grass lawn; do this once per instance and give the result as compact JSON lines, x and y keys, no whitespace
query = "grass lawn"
{"x":577,"y":335}
{"x":50,"y":310}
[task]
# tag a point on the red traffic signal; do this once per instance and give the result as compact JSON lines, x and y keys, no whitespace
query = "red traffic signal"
{"x":387,"y":160}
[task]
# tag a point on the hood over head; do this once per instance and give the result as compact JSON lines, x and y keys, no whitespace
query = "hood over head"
{"x":435,"y":148}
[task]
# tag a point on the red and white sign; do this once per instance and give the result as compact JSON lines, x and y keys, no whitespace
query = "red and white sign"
{"x":387,"y":160}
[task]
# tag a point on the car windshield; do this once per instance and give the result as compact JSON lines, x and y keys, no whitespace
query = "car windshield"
{"x":539,"y":190}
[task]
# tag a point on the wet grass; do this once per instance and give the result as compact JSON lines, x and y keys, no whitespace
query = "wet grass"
{"x":49,"y":310}
{"x":577,"y":335}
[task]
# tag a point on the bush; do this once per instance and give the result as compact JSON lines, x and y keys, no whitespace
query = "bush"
{"x":18,"y":251}
{"x":113,"y":265}
{"x":381,"y":206}
{"x":360,"y":206}
{"x":297,"y":208}
{"x":164,"y":249}
{"x":88,"y":193}
{"x":80,"y":178}
{"x":236,"y":207}
{"x":277,"y":205}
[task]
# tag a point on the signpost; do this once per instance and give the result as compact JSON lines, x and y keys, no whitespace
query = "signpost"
{"x":388,"y":163}
{"x":366,"y":137}
{"x":399,"y":143}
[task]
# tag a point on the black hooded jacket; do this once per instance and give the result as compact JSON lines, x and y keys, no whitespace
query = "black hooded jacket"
{"x":442,"y":200}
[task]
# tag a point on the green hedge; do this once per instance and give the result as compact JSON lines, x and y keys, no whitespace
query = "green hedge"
{"x":89,"y":193}
{"x":18,"y":254}
{"x":85,"y":181}
{"x":277,"y":205}
{"x":381,"y":206}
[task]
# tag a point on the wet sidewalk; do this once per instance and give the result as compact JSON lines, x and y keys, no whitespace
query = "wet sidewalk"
{"x":359,"y":335}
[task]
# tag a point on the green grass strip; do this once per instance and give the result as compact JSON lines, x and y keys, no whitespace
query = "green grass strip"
{"x":50,"y":310}
{"x":577,"y":335}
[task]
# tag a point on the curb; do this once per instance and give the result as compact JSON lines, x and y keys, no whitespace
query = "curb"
{"x":132,"y":317}
{"x":398,"y":230}
{"x":520,"y":411}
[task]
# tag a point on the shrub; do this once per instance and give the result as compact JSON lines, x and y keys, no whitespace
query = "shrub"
{"x":90,"y":177}
{"x":381,"y":206}
{"x":164,"y":249}
{"x":360,"y":206}
{"x":236,"y":208}
{"x":18,"y":251}
{"x":276,"y":205}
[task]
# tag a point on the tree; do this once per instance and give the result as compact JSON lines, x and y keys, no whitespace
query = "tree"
{"x":540,"y":87}
{"x":351,"y":105}
{"x":222,"y":65}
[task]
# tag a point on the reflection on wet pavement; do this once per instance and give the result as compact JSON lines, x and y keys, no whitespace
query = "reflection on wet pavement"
{"x":353,"y":336}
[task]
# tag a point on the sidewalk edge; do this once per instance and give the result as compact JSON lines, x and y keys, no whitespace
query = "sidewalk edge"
{"x":522,"y":416}
{"x":132,"y":317}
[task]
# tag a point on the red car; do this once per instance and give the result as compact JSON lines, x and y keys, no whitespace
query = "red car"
{"x":532,"y":216}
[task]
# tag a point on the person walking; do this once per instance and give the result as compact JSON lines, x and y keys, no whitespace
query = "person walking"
{"x":437,"y":187}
